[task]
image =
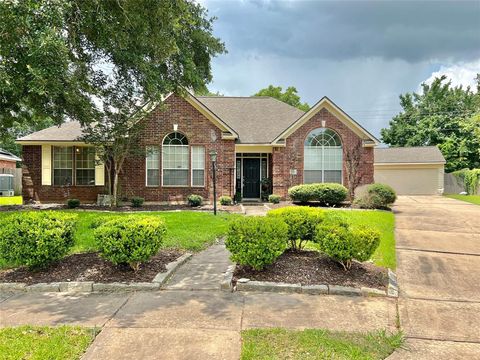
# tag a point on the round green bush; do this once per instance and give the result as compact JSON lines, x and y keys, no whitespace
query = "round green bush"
{"x":137,"y":201}
{"x":377,"y":196}
{"x":36,"y":239}
{"x":73,"y":203}
{"x":274,"y":199}
{"x":194,"y":200}
{"x":225,"y":200}
{"x":301,"y":221}
{"x":256,"y":241}
{"x":329,"y":194}
{"x":130,"y":239}
{"x":344,"y":243}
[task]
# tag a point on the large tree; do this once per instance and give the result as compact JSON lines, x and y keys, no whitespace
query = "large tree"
{"x":442,"y":115}
{"x":288,"y":96}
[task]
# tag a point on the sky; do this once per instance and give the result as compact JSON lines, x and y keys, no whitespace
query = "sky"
{"x":361,"y":54}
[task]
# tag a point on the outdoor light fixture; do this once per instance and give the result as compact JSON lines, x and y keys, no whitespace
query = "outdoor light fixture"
{"x":213,"y":157}
{"x":175,"y":127}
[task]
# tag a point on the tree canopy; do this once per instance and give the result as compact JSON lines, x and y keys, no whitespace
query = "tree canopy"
{"x":442,"y":115}
{"x":88,"y":59}
{"x":289,"y":96}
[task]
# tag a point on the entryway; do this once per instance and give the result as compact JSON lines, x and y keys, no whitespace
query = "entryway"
{"x":251,"y":168}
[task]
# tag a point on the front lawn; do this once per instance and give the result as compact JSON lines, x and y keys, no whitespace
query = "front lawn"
{"x":266,"y":344}
{"x":473,"y":199}
{"x":42,"y":342}
{"x":11,"y":200}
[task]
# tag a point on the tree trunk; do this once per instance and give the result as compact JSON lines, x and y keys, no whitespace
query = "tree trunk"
{"x":115,"y":187}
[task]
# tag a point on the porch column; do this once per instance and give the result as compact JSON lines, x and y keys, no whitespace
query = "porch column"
{"x":279,"y":172}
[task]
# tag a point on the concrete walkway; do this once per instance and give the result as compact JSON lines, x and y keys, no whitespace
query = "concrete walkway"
{"x":438,"y":252}
{"x":191,"y":318}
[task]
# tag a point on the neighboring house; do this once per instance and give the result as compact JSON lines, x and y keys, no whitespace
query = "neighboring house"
{"x":8,"y":161}
{"x":411,"y":170}
{"x":256,"y":138}
{"x":9,"y":184}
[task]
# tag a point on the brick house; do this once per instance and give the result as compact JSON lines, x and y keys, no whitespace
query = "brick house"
{"x":260,"y":142}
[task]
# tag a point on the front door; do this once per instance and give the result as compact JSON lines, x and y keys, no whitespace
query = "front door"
{"x":251,"y":178}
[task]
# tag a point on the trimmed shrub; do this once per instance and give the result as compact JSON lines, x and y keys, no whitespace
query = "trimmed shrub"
{"x":344,"y":243}
{"x":36,"y":239}
{"x":301,"y":221}
{"x":73,"y":203}
{"x":130,"y":239}
{"x":137,"y":201}
{"x":377,"y":196}
{"x":329,"y":194}
{"x":225,"y":200}
{"x":274,"y":199}
{"x":256,"y":241}
{"x":194,"y":200}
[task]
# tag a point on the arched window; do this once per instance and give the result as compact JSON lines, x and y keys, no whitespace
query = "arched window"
{"x":322,"y":157}
{"x":175,"y":160}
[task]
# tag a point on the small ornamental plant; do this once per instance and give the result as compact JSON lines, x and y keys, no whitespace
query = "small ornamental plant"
{"x":329,"y":194}
{"x":73,"y":203}
{"x":225,"y":200}
{"x":137,"y":201}
{"x":130,"y":239}
{"x":274,"y":199}
{"x":377,"y":196}
{"x":194,"y":200}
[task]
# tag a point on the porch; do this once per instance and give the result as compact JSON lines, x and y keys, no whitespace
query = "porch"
{"x":252,"y":176}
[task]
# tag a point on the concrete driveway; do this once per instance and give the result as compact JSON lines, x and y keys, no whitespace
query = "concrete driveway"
{"x":438,"y":253}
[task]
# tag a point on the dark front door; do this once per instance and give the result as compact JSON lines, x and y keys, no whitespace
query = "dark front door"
{"x":251,"y":178}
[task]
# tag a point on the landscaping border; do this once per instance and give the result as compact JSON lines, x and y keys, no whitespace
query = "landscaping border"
{"x":90,"y":286}
{"x":269,"y":286}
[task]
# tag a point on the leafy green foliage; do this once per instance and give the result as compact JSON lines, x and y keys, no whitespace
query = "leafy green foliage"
{"x":342,"y":242}
{"x":377,"y":196}
{"x":225,"y":200}
{"x":289,"y":96}
{"x":470,"y":179}
{"x":36,"y":239}
{"x":440,"y":115}
{"x":274,"y":199}
{"x":137,"y":201}
{"x":329,"y":194}
{"x":130,"y":240}
{"x":256,"y":241}
{"x":73,"y":203}
{"x":301,"y":221}
{"x":194,"y":200}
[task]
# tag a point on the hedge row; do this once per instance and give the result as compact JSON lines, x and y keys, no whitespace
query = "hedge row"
{"x":329,"y":194}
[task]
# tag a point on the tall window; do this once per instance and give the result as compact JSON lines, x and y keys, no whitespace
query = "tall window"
{"x":198,"y":166}
{"x":62,"y":165}
{"x":323,"y":157}
{"x":84,"y":166}
{"x":175,"y":160}
{"x":153,"y":166}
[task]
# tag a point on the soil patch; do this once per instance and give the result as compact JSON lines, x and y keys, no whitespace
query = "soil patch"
{"x":91,"y":267}
{"x":313,"y":268}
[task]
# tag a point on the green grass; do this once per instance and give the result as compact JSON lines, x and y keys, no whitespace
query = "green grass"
{"x":384,"y":221}
{"x":35,"y":342}
{"x":266,"y":344}
{"x":11,"y":200}
{"x":473,"y":199}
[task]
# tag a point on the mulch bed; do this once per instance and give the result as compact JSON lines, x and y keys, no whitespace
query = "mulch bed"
{"x":312,"y":268}
{"x":91,"y":267}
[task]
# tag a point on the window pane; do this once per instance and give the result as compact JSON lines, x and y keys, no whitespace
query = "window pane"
{"x":198,"y":166}
{"x":153,"y":165}
{"x":175,"y":177}
{"x":62,"y":165}
{"x":334,"y":176}
{"x":84,"y":166}
{"x":312,"y":176}
{"x":85,"y":177}
{"x":198,"y":177}
{"x":62,"y":177}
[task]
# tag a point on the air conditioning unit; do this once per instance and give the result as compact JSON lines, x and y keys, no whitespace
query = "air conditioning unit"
{"x":7,"y":193}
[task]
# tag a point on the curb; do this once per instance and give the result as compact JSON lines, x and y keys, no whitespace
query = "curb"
{"x":90,"y":286}
{"x":323,"y":289}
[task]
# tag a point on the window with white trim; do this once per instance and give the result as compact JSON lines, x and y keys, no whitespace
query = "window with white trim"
{"x":175,"y":160}
{"x":198,"y":166}
{"x":84,"y":166}
{"x":153,"y":165}
{"x":63,"y":165}
{"x":323,"y":157}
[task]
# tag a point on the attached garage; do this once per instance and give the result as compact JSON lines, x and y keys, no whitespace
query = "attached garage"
{"x":410,"y":170}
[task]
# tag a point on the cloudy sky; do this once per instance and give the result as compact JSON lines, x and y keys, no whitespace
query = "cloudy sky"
{"x":360,"y":54}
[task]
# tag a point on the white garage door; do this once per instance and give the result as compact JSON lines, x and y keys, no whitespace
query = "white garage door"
{"x":411,"y":181}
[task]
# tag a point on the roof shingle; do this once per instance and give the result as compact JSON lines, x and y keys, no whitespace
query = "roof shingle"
{"x":415,"y":154}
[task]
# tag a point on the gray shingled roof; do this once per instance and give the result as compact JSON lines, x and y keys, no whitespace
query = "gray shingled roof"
{"x":256,"y":119}
{"x":416,"y":154}
{"x":7,"y":155}
{"x":69,"y":131}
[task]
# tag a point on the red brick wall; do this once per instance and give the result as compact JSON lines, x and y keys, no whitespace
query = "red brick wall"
{"x":4,"y":164}
{"x":291,"y":156}
{"x":199,"y":131}
{"x":32,"y":182}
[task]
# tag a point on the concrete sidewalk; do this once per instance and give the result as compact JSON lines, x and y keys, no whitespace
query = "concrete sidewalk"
{"x":438,"y":252}
{"x":192,"y":318}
